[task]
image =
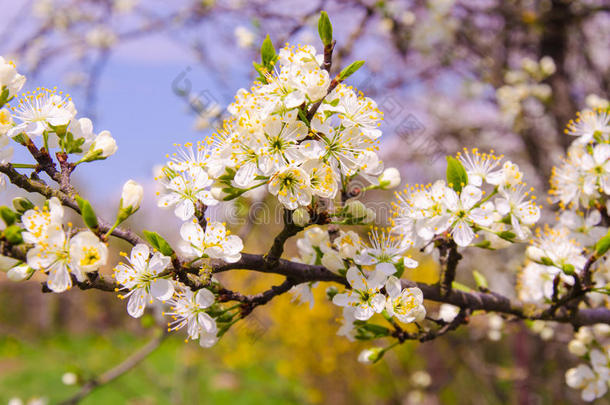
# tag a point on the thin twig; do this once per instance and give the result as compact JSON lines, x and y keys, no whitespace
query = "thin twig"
{"x":117,"y":371}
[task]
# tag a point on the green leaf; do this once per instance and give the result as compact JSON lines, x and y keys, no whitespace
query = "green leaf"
{"x":369,"y":331}
{"x":378,"y":330}
{"x":22,"y":204}
{"x":325,"y":28}
{"x":3,"y":96}
{"x":86,"y":211}
{"x":158,"y":242}
{"x":602,"y":245}
{"x":480,"y":279}
{"x":350,"y":70}
{"x":460,"y":287}
{"x":260,"y":69}
{"x":400,"y":268}
{"x":334,"y":103}
{"x":8,"y":215}
{"x":13,"y":234}
{"x":456,"y":174}
{"x":268,"y":55}
{"x":484,"y":245}
{"x":507,"y":235}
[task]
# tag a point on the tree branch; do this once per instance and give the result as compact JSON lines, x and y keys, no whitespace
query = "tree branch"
{"x":34,"y":186}
{"x":277,"y":248}
{"x":117,"y":371}
{"x":449,"y":259}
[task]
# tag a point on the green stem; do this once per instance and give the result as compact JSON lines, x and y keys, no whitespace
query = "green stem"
{"x":107,"y":234}
{"x":24,"y":166}
{"x":487,"y":198}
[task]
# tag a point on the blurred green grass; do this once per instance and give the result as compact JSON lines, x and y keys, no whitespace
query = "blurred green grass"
{"x":174,"y":373}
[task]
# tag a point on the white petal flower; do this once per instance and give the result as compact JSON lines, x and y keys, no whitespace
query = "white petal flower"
{"x":303,"y":293}
{"x":141,"y":277}
{"x":87,"y":252}
{"x":523,"y":213}
{"x":480,"y":166}
{"x":10,"y":79}
{"x":188,"y":310}
{"x":215,"y":242}
{"x":405,"y":304}
{"x":291,"y":186}
{"x":582,"y":377}
{"x":38,"y":110}
{"x":185,"y":190}
{"x":52,"y":255}
{"x":364,"y":295}
{"x":385,"y":252}
{"x":37,"y":221}
{"x":590,"y":124}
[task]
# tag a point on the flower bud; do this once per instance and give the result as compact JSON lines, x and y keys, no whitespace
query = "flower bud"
{"x":601,"y":329}
{"x":390,"y":178}
{"x":131,"y":198}
{"x":19,"y":273}
{"x":301,"y":217}
{"x":22,"y":204}
{"x":577,"y":348}
{"x":585,"y":335}
{"x":218,"y":193}
{"x":547,"y":65}
{"x":371,"y":355}
{"x":103,"y":146}
{"x":534,"y":253}
{"x":11,"y":81}
{"x":332,"y":261}
{"x":369,"y":216}
{"x":106,"y":143}
{"x":69,"y":378}
{"x":355,"y":209}
{"x":421,"y":378}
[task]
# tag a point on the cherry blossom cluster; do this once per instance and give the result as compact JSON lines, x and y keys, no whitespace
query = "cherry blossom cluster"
{"x":592,"y":344}
{"x":305,"y":137}
{"x":289,"y":134}
{"x":146,"y":281}
{"x":573,"y":249}
{"x":491,"y":200}
{"x":46,"y":117}
{"x":369,"y":267}
{"x":583,"y":178}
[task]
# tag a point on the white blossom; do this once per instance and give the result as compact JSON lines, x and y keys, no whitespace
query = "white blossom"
{"x":188,"y":310}
{"x":405,"y":304}
{"x":385,"y":252}
{"x":364,"y":295}
{"x":141,"y":277}
{"x":215,"y":242}
{"x":10,"y":79}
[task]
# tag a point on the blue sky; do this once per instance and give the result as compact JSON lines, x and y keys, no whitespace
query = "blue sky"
{"x":136,"y":103}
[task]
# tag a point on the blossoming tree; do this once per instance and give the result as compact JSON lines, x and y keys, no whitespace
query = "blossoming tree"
{"x":305,"y":136}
